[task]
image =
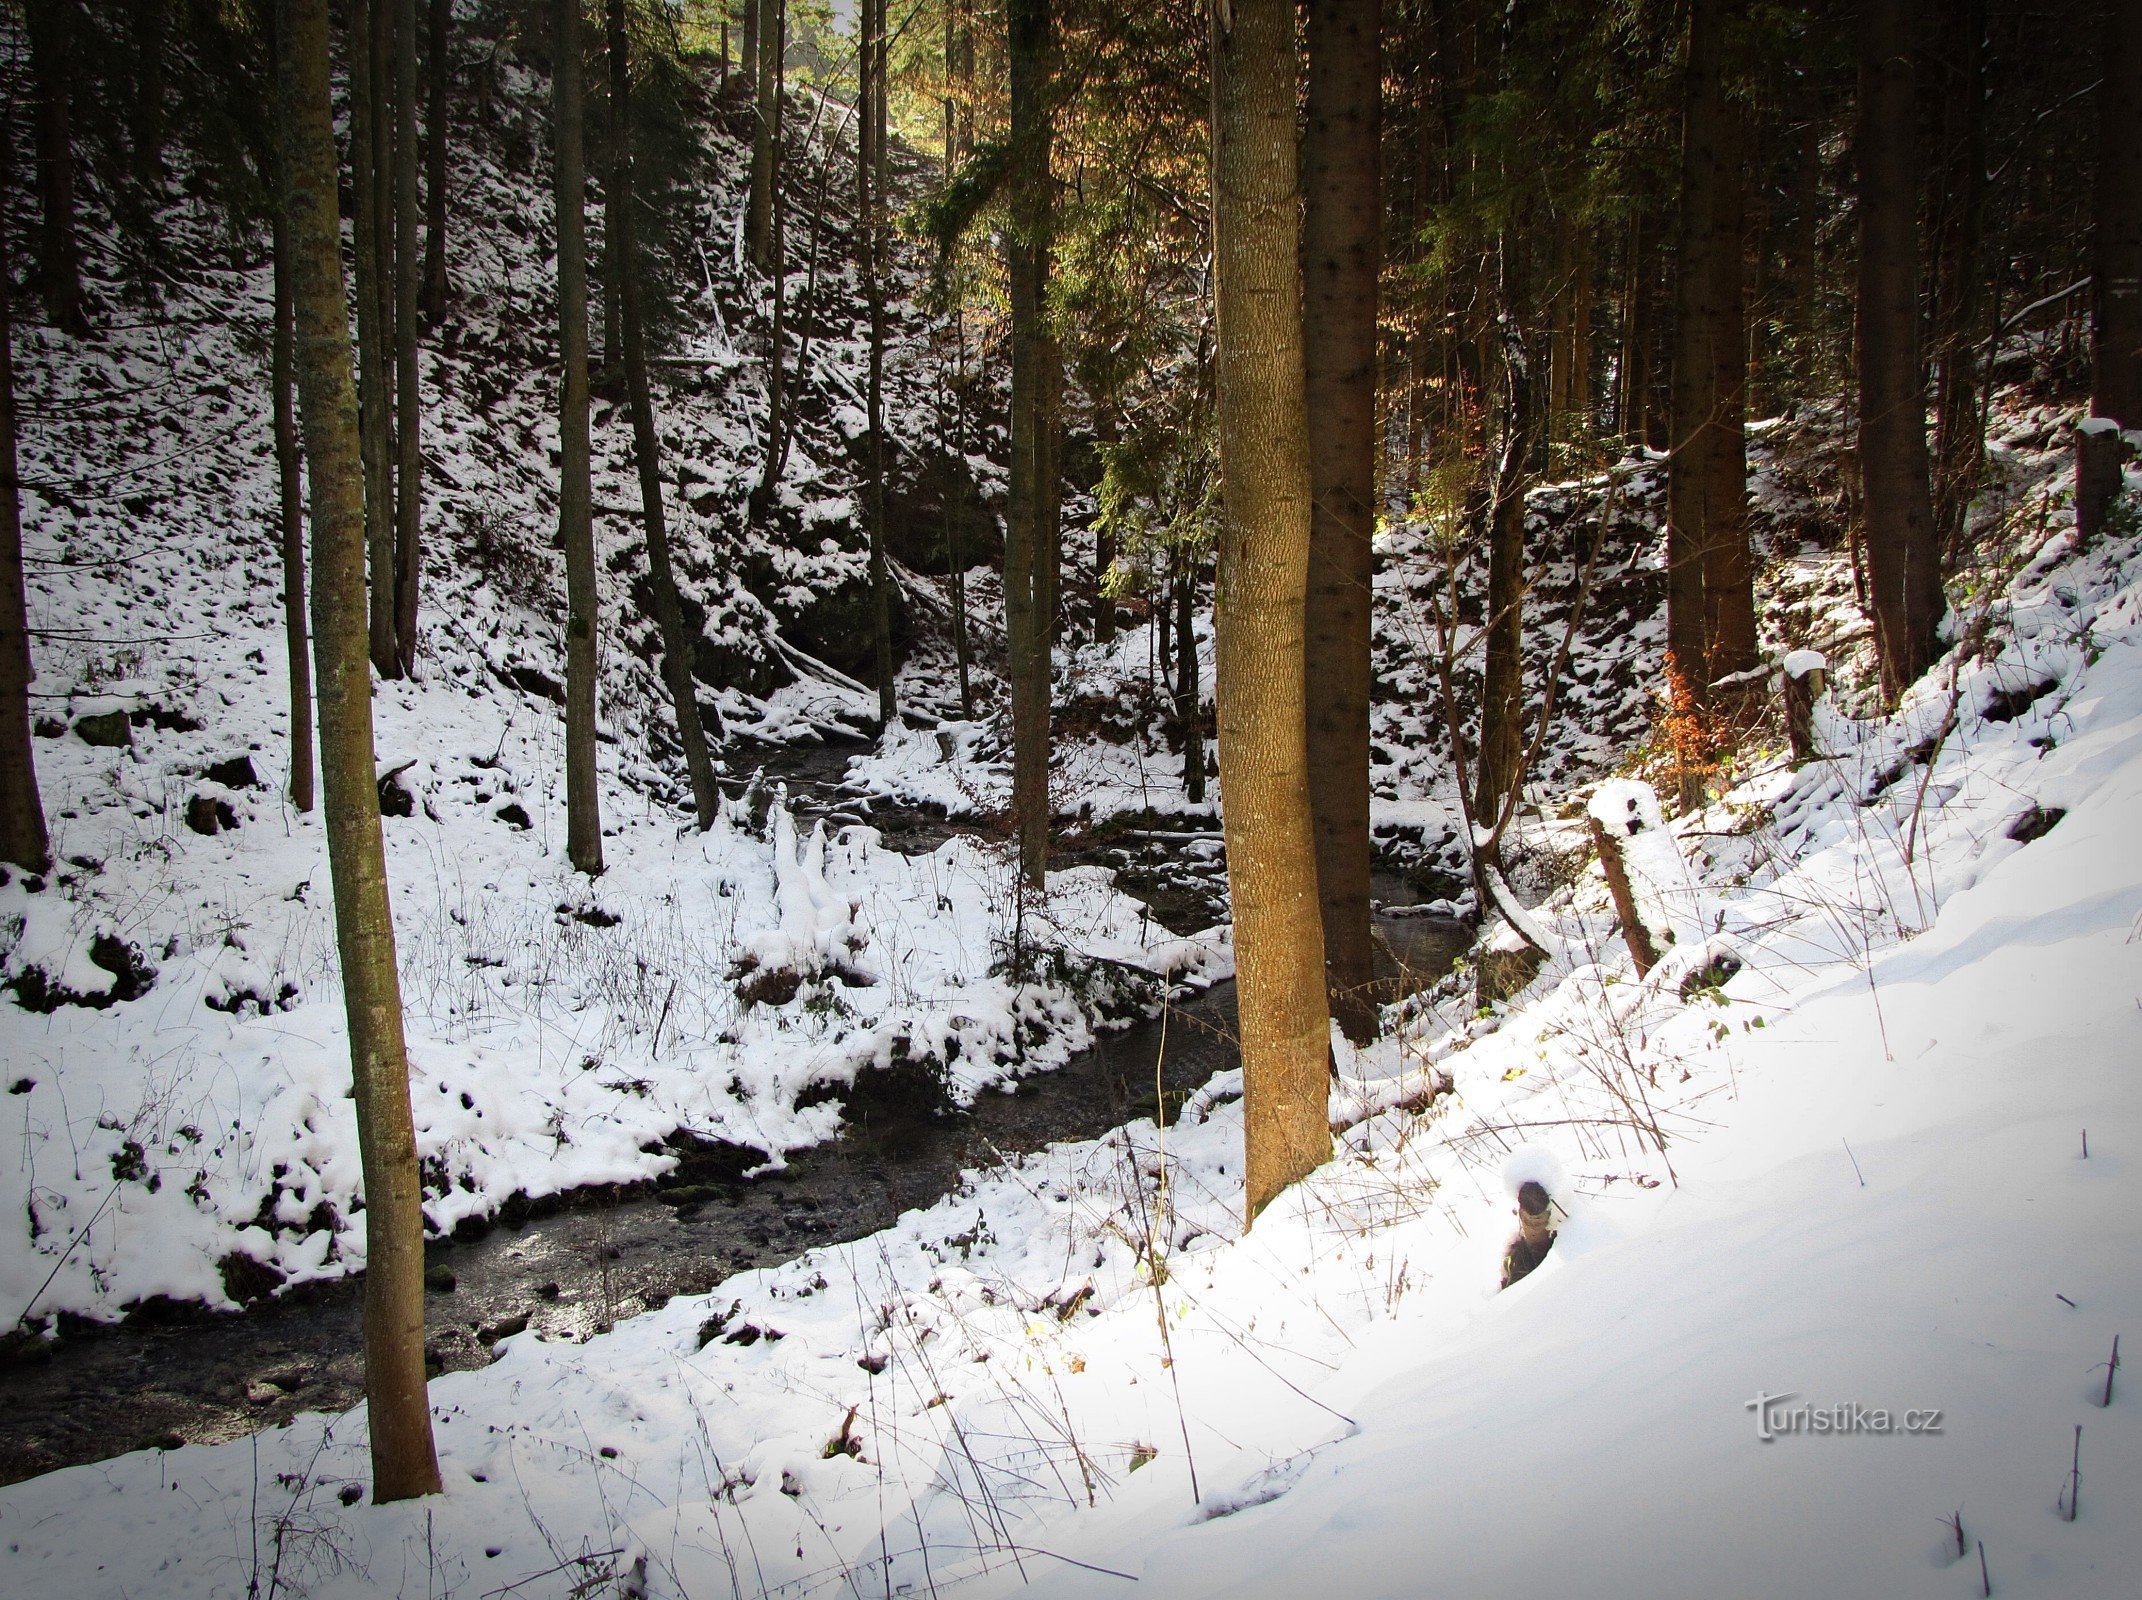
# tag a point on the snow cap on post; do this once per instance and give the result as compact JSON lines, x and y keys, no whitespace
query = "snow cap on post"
{"x":1799,"y":663}
{"x":1626,"y":808}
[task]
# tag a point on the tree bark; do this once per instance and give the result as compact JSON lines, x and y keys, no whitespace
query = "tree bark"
{"x":408,"y":409}
{"x":1263,"y":583}
{"x":1186,"y":684}
{"x":2116,"y":265}
{"x":291,"y":513}
{"x":1695,"y":399}
{"x":1638,"y":937}
{"x":23,"y":839}
{"x":646,"y":448}
{"x":576,"y":519}
{"x":1959,"y":307}
{"x":439,"y":77}
{"x":876,"y":45}
{"x":766,"y":136}
{"x":145,"y":118}
{"x":1341,"y":218}
{"x":372,"y":403}
{"x":773,"y":31}
{"x":1903,"y":558}
{"x":403,"y":1460}
{"x":53,"y":25}
{"x":747,"y":54}
{"x":1501,"y":760}
{"x":1728,"y":565}
{"x":1026,"y":538}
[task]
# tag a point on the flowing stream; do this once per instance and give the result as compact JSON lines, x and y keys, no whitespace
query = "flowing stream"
{"x":185,"y":1374}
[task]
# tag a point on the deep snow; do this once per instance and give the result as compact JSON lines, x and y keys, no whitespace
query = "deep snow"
{"x":1847,"y":1171}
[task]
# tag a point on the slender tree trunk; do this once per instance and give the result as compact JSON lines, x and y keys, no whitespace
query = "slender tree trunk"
{"x":1263,"y":583}
{"x":1186,"y":685}
{"x":747,"y":55}
{"x":1903,"y":559}
{"x":774,"y":260}
{"x":875,"y":47}
{"x":1579,"y":396}
{"x":766,"y":136}
{"x":292,"y":519}
{"x":1728,"y":565}
{"x":1698,"y":282}
{"x":439,"y":80}
{"x":365,"y":179}
{"x":408,"y":409}
{"x":403,"y":1461}
{"x":23,"y":839}
{"x":1026,"y":537}
{"x":146,"y":116}
{"x":2116,"y":267}
{"x":956,"y":533}
{"x":576,"y":520}
{"x":646,"y":447}
{"x":1959,"y":426}
{"x":1502,"y":710}
{"x":1341,"y":224}
{"x":53,"y":26}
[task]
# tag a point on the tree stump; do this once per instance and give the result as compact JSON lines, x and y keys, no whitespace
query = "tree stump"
{"x":1533,"y":1238}
{"x":2100,"y":457}
{"x":1805,"y":681}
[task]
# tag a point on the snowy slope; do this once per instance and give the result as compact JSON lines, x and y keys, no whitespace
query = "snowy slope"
{"x":1849,"y":1171}
{"x":180,"y":1110}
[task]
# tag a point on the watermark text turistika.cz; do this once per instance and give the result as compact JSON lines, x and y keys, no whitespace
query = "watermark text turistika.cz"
{"x":1777,"y":1415}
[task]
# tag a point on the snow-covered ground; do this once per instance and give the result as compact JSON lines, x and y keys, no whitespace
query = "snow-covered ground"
{"x":1832,"y":1151}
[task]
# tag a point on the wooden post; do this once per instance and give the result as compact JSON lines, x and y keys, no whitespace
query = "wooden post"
{"x":2100,"y":456}
{"x":1641,"y":950}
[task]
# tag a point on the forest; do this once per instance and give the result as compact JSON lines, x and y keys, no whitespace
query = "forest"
{"x":809,"y":797}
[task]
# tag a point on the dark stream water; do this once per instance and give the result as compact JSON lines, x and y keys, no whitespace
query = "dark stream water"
{"x":196,"y":1376}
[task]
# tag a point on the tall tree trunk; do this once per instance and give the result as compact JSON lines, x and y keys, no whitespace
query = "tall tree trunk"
{"x":291,"y":513}
{"x":1341,"y":223}
{"x":53,"y":29}
{"x":1903,"y":560}
{"x":439,"y":76}
{"x":747,"y":54}
{"x":646,"y":447}
{"x":408,"y":409}
{"x":374,"y":423}
{"x":23,"y":839}
{"x":1263,"y":583}
{"x":2116,"y":266}
{"x":766,"y":136}
{"x":1026,"y":537}
{"x":876,"y":45}
{"x":403,"y":1460}
{"x":1502,"y":695}
{"x":145,"y":117}
{"x":576,"y":519}
{"x":773,"y":32}
{"x":1728,"y":566}
{"x":1106,"y":433}
{"x":1578,"y":395}
{"x":1959,"y":314}
{"x":1698,"y":282}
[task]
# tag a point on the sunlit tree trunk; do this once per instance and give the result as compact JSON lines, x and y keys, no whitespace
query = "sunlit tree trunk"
{"x":576,"y":520}
{"x":403,"y":1460}
{"x":766,"y":136}
{"x":1263,"y":582}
